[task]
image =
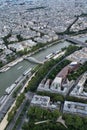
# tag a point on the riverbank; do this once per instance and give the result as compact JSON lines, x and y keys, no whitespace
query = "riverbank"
{"x":13,"y":63}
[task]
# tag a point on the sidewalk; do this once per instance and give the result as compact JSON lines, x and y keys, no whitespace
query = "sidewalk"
{"x":4,"y":122}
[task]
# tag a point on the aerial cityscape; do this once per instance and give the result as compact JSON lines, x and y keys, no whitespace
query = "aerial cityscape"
{"x":43,"y":64}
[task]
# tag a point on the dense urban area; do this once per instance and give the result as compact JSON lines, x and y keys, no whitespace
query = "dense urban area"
{"x":43,"y":64}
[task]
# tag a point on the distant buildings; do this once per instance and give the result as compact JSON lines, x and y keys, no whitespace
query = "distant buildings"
{"x":8,"y":52}
{"x":28,"y":43}
{"x":16,"y":47}
{"x":20,"y":46}
{"x":2,"y":46}
{"x":19,"y":17}
{"x":28,"y":34}
{"x":79,"y":89}
{"x":13,"y":38}
{"x":79,"y":56}
{"x":80,"y":24}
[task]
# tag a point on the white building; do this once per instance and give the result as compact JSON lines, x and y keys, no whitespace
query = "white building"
{"x":75,"y":108}
{"x":42,"y":101}
{"x":78,"y":90}
{"x":56,"y":84}
{"x":13,"y":38}
{"x":16,"y":47}
{"x":79,"y":56}
{"x":7,"y":52}
{"x":40,"y":40}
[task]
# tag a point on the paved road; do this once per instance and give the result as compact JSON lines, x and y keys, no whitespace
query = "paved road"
{"x":9,"y":100}
{"x":75,"y":41}
{"x":54,"y":67}
{"x":29,"y":96}
{"x":11,"y":125}
{"x":5,"y":106}
{"x":23,"y":119}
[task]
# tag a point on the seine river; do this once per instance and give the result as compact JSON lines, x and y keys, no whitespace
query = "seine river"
{"x":9,"y":77}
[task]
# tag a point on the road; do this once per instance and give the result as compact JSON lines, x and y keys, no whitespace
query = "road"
{"x":4,"y":122}
{"x":29,"y":96}
{"x":11,"y":125}
{"x":9,"y":99}
{"x":75,"y":41}
{"x":54,"y":67}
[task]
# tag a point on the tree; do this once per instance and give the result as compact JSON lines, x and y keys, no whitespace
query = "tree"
{"x":11,"y":114}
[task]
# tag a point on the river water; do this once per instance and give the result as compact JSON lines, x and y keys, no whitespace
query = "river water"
{"x":9,"y":77}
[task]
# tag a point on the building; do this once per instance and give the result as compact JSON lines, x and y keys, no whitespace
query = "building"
{"x":56,"y":84}
{"x":63,"y":73}
{"x":13,"y":38}
{"x":8,"y":52}
{"x":2,"y":47}
{"x":68,"y":69}
{"x":44,"y":102}
{"x":1,"y":41}
{"x":79,"y":89}
{"x":79,"y":56}
{"x":29,"y":43}
{"x":16,"y":47}
{"x":75,"y":108}
{"x":60,"y":84}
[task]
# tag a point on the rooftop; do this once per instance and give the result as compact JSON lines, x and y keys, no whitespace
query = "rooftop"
{"x":75,"y":108}
{"x":41,"y":100}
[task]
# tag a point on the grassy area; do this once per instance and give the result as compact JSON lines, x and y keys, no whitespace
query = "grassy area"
{"x":36,"y":114}
{"x":17,"y":91}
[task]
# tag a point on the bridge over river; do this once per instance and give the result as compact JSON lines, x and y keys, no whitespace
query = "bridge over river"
{"x":75,"y":41}
{"x":33,"y":60}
